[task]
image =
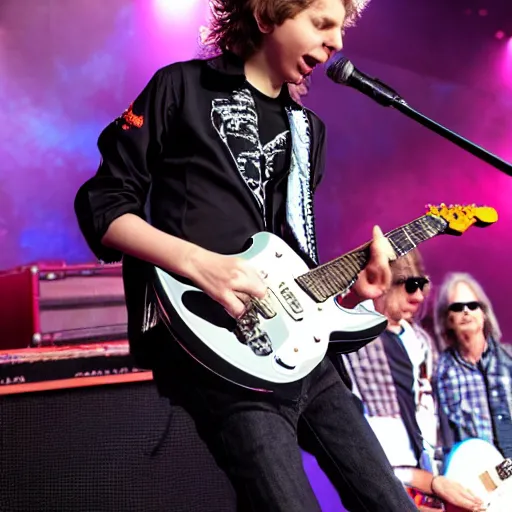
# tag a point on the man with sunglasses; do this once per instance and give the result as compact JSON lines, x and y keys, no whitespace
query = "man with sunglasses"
{"x":392,"y":378}
{"x":474,"y":373}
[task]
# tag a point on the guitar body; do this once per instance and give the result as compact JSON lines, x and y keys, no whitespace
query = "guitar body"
{"x":473,"y":463}
{"x":282,"y":338}
{"x":478,"y":466}
{"x":277,"y":350}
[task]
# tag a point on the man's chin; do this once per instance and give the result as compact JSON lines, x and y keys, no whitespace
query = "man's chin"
{"x":300,"y":79}
{"x":296,"y":81}
{"x":408,"y":316}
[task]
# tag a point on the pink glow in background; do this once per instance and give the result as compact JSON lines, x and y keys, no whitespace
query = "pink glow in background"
{"x":67,"y":68}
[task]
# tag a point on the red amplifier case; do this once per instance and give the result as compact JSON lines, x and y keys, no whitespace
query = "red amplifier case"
{"x":56,"y":303}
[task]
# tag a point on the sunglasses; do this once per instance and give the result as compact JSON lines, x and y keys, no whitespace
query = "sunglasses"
{"x":412,"y":284}
{"x":458,"y":307}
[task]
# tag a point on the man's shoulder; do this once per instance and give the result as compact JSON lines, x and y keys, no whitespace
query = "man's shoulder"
{"x":507,"y":348}
{"x":181,"y":67}
{"x":446,"y":355}
{"x":446,"y":361}
{"x":219,"y":72}
{"x":422,"y":334}
{"x":182,"y":76}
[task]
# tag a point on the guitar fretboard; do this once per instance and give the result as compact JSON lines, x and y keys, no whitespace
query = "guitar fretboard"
{"x":338,"y":275}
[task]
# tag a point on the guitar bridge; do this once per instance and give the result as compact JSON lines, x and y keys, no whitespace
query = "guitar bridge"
{"x":249,"y":332}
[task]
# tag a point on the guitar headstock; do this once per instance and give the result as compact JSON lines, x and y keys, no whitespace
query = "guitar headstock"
{"x":461,"y":218}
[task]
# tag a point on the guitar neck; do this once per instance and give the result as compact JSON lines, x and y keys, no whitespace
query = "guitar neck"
{"x":338,"y":275}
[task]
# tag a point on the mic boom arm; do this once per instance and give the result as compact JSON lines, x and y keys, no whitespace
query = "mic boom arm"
{"x":343,"y":71}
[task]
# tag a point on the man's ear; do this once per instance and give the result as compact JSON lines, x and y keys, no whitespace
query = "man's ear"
{"x":264,"y":28}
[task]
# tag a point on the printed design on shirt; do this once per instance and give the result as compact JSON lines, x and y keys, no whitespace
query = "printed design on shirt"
{"x":299,"y":197}
{"x":131,"y":120}
{"x":236,"y":121}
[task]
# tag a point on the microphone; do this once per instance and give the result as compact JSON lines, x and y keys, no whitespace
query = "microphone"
{"x":342,"y":71}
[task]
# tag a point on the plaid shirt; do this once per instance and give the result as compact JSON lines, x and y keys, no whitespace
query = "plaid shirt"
{"x":371,"y":373}
{"x":370,"y":368}
{"x":470,"y":404}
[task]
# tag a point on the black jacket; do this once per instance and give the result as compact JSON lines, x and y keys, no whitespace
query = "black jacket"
{"x":169,"y":159}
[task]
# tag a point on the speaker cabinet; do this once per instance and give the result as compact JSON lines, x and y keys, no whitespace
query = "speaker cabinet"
{"x":114,"y":448}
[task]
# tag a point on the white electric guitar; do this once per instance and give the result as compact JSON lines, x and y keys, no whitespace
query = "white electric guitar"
{"x":283,"y":337}
{"x":480,"y":467}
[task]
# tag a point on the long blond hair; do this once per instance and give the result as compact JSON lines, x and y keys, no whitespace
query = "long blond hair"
{"x":446,"y":336}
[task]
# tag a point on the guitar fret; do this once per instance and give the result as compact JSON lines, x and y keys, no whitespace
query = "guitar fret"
{"x":409,"y":238}
{"x":413,"y":234}
{"x":396,"y":247}
{"x":338,"y":275}
{"x":328,"y":280}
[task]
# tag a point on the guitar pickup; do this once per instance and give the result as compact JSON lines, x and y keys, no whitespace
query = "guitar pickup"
{"x":265,"y":307}
{"x":290,"y":302}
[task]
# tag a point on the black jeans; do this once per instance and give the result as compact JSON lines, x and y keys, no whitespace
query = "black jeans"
{"x":256,"y":439}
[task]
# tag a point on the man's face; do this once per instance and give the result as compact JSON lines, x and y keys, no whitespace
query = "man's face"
{"x":403,"y":300}
{"x":467,"y":321}
{"x":294,"y":48}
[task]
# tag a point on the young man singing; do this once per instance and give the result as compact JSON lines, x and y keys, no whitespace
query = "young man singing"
{"x":202,"y":160}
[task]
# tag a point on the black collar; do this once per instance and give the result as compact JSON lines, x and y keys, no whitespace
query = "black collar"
{"x":228,"y":63}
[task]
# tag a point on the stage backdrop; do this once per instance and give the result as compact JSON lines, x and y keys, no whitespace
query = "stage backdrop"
{"x":68,"y":68}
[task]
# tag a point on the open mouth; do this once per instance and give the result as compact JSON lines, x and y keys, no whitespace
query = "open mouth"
{"x":310,"y":61}
{"x":310,"y":64}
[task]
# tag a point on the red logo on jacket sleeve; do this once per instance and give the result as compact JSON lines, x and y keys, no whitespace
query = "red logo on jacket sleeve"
{"x":131,"y":120}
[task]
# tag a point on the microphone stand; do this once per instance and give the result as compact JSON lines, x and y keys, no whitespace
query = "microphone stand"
{"x":390,"y":98}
